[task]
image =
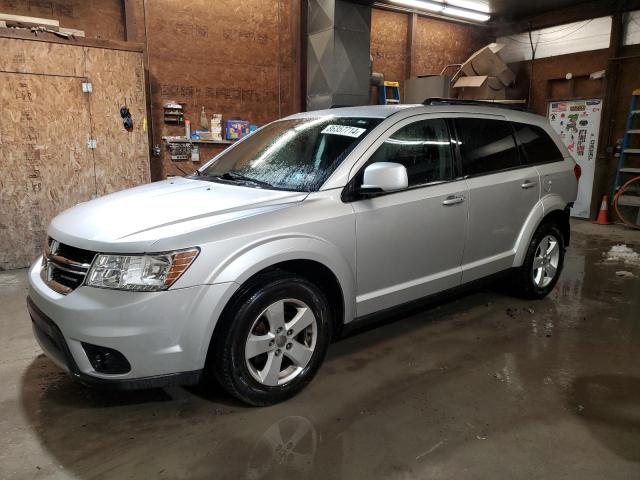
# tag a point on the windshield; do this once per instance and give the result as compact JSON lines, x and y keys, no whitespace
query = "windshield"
{"x":297,"y":154}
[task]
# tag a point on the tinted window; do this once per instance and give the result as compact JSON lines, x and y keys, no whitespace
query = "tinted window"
{"x":538,"y":146}
{"x":424,"y":148}
{"x":486,"y":145}
{"x":295,"y":154}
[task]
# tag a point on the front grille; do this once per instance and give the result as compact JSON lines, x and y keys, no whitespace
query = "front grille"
{"x":65,"y":267}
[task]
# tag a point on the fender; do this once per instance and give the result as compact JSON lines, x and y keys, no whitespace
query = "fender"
{"x":252,"y":258}
{"x":544,"y":207}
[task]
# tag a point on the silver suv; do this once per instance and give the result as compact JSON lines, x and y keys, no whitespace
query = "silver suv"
{"x":247,"y":269}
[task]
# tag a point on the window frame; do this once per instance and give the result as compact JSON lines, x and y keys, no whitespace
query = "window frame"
{"x":350,"y":192}
{"x":492,"y":172}
{"x":523,"y":151}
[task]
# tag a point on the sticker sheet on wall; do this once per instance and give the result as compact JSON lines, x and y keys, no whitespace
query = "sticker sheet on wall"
{"x":578,"y":124}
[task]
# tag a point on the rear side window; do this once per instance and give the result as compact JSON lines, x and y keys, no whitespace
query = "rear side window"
{"x":423,"y":147}
{"x":486,"y":145}
{"x":538,"y":147}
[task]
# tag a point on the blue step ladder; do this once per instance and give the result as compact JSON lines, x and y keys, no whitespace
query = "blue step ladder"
{"x":389,"y":93}
{"x":623,"y":171}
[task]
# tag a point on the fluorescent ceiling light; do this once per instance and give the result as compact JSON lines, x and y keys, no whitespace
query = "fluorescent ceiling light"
{"x":478,"y":6}
{"x":458,"y":12}
{"x":469,"y":9}
{"x":431,"y":6}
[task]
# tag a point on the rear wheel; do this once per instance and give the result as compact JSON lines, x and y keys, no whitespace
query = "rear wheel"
{"x":273,"y":338}
{"x":542,"y":263}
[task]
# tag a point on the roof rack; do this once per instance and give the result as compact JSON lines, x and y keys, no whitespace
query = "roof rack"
{"x":512,"y":104}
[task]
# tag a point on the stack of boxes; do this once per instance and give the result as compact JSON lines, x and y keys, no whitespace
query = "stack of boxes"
{"x":484,"y":76}
{"x":216,"y":127}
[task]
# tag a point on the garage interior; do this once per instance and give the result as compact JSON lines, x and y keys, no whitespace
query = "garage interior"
{"x":103,"y":95}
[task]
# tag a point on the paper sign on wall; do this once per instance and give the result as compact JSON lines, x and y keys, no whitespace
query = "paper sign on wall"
{"x":577,"y":122}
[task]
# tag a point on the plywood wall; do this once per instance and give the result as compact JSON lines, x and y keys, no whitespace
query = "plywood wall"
{"x":45,"y":164}
{"x":235,"y":58}
{"x":121,"y":157}
{"x":389,"y":44}
{"x":437,"y":42}
{"x":98,"y":18}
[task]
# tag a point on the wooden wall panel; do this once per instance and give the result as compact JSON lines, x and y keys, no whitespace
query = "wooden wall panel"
{"x":389,"y":44}
{"x":121,"y":156}
{"x":98,"y":18}
{"x":437,"y":44}
{"x":440,"y":43}
{"x":235,"y":58}
{"x":45,"y":164}
{"x":41,"y":58}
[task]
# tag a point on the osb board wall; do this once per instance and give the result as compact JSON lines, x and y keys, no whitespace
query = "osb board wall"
{"x":45,"y":165}
{"x":98,"y":18}
{"x":239,"y":59}
{"x":438,"y":43}
{"x":117,"y":78}
{"x":389,"y":44}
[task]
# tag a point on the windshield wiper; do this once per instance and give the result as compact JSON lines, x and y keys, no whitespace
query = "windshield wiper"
{"x":239,"y":177}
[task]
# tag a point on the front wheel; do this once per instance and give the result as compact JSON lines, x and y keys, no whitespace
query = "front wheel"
{"x":273,"y":338}
{"x":542,"y":264}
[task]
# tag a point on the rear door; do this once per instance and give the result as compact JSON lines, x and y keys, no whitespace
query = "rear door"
{"x":503,"y":191}
{"x":556,"y":171}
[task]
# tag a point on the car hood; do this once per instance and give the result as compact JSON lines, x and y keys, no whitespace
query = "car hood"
{"x":133,"y":220}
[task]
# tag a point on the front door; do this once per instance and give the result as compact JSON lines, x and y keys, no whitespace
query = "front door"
{"x":409,"y":244}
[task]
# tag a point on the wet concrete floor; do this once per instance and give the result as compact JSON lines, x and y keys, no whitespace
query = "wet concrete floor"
{"x":483,"y":386}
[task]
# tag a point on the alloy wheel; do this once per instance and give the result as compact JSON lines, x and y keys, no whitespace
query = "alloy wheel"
{"x":546,"y":261}
{"x":281,"y":342}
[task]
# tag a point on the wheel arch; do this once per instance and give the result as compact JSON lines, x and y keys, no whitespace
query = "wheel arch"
{"x":551,"y":208}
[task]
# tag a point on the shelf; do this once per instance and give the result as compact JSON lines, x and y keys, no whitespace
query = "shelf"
{"x":632,"y":151}
{"x":201,"y":141}
{"x":630,"y":170}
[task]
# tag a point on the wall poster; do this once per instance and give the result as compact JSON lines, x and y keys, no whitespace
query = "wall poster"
{"x":578,"y":124}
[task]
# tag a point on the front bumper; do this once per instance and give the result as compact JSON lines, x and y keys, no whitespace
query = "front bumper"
{"x":55,"y":347}
{"x":163,"y":335}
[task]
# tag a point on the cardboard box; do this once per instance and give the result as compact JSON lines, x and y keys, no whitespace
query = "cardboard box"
{"x":480,"y":87}
{"x":486,"y":62}
{"x":418,"y":89}
{"x":236,"y":129}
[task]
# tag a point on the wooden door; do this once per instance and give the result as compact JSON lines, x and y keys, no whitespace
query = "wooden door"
{"x":45,"y":165}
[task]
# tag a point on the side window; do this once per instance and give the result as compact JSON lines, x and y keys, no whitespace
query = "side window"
{"x":486,"y":145}
{"x":423,"y":147}
{"x":538,"y":146}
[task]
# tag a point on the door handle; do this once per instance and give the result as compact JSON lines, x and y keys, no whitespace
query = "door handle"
{"x":453,"y":199}
{"x":528,"y":184}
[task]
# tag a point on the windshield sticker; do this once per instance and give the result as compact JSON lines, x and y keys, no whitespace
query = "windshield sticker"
{"x":344,"y":130}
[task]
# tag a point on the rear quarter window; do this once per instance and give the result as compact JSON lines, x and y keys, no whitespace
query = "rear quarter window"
{"x":536,"y":145}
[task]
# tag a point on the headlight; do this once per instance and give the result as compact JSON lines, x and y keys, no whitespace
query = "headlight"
{"x":146,"y":273}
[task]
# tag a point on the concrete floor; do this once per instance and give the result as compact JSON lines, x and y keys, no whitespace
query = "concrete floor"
{"x":484,"y":386}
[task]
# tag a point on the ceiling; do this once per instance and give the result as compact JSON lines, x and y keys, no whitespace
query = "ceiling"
{"x":505,"y":10}
{"x":525,"y":8}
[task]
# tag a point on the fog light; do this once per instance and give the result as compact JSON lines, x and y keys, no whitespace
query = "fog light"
{"x":106,"y":360}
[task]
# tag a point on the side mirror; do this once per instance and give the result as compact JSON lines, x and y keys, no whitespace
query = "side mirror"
{"x":385,"y":177}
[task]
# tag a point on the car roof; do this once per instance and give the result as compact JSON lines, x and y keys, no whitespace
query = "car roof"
{"x":384,"y":111}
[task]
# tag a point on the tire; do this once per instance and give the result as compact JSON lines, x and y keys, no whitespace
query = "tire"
{"x":259,"y":352}
{"x":537,"y":284}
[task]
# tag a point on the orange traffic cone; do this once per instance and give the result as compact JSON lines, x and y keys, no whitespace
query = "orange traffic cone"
{"x":603,"y":214}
